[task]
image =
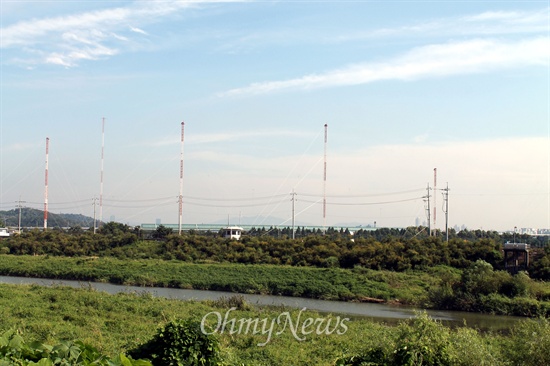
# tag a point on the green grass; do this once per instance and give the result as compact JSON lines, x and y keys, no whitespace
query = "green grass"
{"x":320,"y":283}
{"x":432,"y":287}
{"x":118,"y":323}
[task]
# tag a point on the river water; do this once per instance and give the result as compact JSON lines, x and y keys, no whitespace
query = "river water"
{"x":379,"y":312}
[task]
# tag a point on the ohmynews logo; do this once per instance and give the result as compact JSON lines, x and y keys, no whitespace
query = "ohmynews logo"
{"x":300,"y":328}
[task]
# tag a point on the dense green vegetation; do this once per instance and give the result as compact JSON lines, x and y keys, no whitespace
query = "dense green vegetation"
{"x":15,"y":351}
{"x":31,"y":217}
{"x":398,"y":265}
{"x":111,"y":325}
{"x":392,"y":249}
{"x":323,"y":283}
{"x":482,"y":289}
{"x":477,"y":288}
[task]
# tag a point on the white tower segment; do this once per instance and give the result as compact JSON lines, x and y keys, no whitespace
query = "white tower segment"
{"x":435,"y":195}
{"x":101,"y":174}
{"x":325,"y":182}
{"x":180,"y":200}
{"x":46,"y":185}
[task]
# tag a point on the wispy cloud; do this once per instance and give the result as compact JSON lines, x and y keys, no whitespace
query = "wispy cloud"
{"x":65,"y":40}
{"x":17,"y":147}
{"x":137,"y":30}
{"x":451,"y":58}
{"x":494,"y":23}
{"x":209,"y":138}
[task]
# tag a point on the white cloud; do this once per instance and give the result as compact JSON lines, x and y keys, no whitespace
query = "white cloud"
{"x":137,"y":30}
{"x":539,"y":17}
{"x":47,"y":36}
{"x":64,"y":40}
{"x":208,"y":138}
{"x":487,"y":23}
{"x":496,"y":23}
{"x":27,"y":33}
{"x":453,"y":58}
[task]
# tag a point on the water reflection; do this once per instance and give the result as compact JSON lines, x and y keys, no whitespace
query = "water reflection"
{"x":390,"y":314}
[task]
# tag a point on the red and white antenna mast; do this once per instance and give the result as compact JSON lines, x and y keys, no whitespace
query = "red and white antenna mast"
{"x":180,"y":200}
{"x":325,"y":182}
{"x":101,"y":174}
{"x":435,"y":195}
{"x":46,"y":185}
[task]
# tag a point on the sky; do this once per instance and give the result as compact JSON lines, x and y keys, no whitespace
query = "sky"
{"x":405,"y":89}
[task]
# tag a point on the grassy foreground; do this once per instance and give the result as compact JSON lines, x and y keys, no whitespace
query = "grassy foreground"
{"x":117,"y":323}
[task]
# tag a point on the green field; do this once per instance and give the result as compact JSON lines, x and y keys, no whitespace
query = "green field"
{"x":322,"y":283}
{"x":478,"y":288}
{"x":119,"y":323}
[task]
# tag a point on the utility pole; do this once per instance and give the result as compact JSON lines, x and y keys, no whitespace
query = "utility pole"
{"x":428,"y":210}
{"x":19,"y":206}
{"x":94,"y":200}
{"x":446,"y":211}
{"x":293,"y":194}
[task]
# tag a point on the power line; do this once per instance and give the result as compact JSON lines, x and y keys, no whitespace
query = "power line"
{"x":365,"y":195}
{"x":366,"y":203}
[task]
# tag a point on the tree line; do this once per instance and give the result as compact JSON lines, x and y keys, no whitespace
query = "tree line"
{"x":391,"y":249}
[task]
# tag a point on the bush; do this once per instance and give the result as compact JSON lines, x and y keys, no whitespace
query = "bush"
{"x":236,"y":301}
{"x":529,"y":344}
{"x":15,"y":351}
{"x":420,"y":341}
{"x":373,"y":357}
{"x":423,"y":341}
{"x":180,"y":343}
{"x":469,"y":348}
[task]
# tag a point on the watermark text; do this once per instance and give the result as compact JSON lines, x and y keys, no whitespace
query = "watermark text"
{"x":300,"y":327}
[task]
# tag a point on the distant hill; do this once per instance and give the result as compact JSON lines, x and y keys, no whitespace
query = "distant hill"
{"x":31,"y":217}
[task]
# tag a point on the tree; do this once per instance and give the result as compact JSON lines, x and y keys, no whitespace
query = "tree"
{"x":161,"y":232}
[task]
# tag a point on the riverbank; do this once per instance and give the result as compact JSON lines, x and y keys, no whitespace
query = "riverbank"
{"x":317,"y":283}
{"x":383,"y":313}
{"x":118,"y":323}
{"x":429,"y":288}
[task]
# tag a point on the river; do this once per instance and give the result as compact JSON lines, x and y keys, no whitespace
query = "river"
{"x":379,"y":312}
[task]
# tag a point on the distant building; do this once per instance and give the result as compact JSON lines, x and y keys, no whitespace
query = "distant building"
{"x":4,"y":232}
{"x":232,"y":232}
{"x":516,"y":257}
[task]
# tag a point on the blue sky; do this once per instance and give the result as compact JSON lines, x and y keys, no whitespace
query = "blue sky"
{"x":404,"y":86}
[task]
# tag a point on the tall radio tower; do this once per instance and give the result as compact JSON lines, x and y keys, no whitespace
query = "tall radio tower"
{"x":46,"y":186}
{"x":180,"y":200}
{"x":101,"y":175}
{"x":325,"y":183}
{"x":435,"y":195}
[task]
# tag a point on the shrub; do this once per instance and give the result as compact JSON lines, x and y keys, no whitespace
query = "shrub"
{"x":529,"y":344}
{"x":180,"y":343}
{"x":236,"y":301}
{"x":15,"y":351}
{"x":469,"y":348}
{"x":423,"y":341}
{"x":373,"y":357}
